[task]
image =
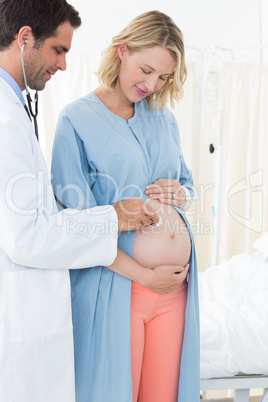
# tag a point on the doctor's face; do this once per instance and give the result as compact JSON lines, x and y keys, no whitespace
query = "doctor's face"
{"x":41,"y":63}
{"x":144,"y":72}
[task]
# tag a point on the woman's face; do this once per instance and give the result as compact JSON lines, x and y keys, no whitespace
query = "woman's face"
{"x":144,"y":72}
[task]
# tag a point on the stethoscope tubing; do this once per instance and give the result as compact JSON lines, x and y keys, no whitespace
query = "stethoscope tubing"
{"x":28,"y":96}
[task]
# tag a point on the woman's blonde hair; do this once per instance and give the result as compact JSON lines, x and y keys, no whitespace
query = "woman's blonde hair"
{"x":150,"y":29}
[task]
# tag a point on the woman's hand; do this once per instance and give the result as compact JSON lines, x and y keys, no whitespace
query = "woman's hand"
{"x":167,"y":191}
{"x":166,"y":278}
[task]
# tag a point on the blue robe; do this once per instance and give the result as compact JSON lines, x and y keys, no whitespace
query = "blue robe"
{"x":100,"y":158}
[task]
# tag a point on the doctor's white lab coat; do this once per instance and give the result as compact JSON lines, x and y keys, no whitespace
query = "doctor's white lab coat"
{"x":37,"y":246}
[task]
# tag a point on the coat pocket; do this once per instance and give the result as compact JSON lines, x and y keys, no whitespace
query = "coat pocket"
{"x":39,"y":303}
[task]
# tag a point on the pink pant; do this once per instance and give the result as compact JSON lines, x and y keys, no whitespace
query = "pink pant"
{"x":157,"y":327}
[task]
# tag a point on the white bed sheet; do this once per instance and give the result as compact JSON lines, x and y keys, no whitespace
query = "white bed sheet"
{"x":234,"y":317}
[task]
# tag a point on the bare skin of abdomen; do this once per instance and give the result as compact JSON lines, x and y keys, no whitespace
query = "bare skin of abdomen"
{"x":169,"y":244}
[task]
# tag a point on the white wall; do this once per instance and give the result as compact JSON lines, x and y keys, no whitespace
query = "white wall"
{"x":204,"y":23}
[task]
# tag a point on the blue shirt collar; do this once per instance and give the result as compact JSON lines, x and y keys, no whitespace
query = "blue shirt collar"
{"x":14,"y":85}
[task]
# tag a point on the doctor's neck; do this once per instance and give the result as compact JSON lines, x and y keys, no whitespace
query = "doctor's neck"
{"x":10,"y":61}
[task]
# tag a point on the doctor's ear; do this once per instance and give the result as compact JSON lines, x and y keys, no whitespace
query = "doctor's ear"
{"x":24,"y":36}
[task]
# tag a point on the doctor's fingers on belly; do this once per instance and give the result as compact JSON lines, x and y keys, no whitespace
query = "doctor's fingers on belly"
{"x":134,"y":213}
{"x":166,"y":278}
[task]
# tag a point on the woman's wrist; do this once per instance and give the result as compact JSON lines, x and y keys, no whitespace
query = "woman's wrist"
{"x":129,"y":268}
{"x":142,"y":275}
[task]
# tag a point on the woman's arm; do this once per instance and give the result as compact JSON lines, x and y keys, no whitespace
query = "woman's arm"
{"x":161,"y":279}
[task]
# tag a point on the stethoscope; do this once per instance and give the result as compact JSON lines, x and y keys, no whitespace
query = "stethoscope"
{"x":28,"y":96}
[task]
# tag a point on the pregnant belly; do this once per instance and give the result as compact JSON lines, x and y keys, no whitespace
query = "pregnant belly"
{"x":169,"y":244}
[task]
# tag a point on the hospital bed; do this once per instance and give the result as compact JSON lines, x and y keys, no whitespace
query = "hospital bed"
{"x":234,"y":324}
{"x":241,"y":384}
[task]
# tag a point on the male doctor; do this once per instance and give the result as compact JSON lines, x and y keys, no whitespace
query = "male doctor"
{"x":38,"y":244}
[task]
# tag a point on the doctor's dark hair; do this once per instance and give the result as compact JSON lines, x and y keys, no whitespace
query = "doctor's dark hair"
{"x":148,"y":30}
{"x":43,"y":16}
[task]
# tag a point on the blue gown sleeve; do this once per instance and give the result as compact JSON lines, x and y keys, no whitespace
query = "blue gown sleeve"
{"x":71,"y":174}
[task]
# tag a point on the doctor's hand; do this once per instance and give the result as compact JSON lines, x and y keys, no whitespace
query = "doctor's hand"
{"x":166,"y":278}
{"x":134,"y":213}
{"x":167,"y":191}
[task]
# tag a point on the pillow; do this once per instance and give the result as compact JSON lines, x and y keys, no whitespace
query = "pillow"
{"x":262,"y":244}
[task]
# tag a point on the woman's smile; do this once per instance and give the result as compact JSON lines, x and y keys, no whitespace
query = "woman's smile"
{"x":140,"y":91}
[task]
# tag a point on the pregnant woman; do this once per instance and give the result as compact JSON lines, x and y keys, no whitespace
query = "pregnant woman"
{"x":120,"y":141}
